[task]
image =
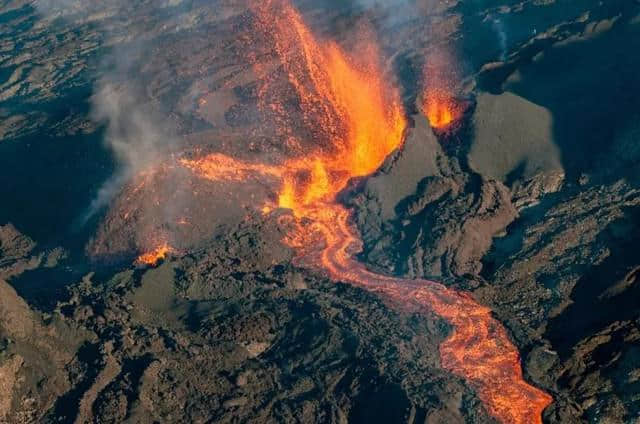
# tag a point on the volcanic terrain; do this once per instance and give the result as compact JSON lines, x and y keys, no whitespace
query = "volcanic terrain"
{"x":301,"y":211}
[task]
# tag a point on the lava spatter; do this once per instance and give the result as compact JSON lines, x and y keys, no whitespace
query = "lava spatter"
{"x":358,"y":116}
{"x":154,"y":256}
{"x":439,"y":104}
{"x":440,"y":108}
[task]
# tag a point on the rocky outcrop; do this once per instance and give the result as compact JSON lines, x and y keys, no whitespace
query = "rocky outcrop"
{"x":442,"y":223}
{"x":33,"y":357}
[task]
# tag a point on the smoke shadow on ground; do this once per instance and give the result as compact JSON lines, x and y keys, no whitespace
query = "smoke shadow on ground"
{"x":43,"y":288}
{"x":50,"y":181}
{"x":607,"y":292}
{"x":592,"y":90}
{"x":588,"y":82}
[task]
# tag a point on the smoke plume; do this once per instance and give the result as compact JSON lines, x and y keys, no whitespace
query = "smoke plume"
{"x":499,"y":28}
{"x":135,"y":132}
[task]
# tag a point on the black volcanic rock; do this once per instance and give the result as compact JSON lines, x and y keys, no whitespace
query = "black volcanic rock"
{"x":182,"y":343}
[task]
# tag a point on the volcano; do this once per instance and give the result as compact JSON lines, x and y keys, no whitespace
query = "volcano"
{"x":296,"y":211}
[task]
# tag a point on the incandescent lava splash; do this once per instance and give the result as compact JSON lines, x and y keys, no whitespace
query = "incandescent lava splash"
{"x":439,"y":104}
{"x":359,"y":122}
{"x":440,"y":108}
{"x":154,"y":256}
{"x":356,"y":116}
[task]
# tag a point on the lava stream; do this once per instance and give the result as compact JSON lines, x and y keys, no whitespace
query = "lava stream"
{"x":360,"y":120}
{"x":478,"y":349}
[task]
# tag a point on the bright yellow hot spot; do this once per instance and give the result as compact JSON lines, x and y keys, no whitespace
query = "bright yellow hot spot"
{"x":440,"y":108}
{"x":154,"y":256}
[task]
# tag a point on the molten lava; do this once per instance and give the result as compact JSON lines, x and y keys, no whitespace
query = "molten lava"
{"x":361,"y":121}
{"x":346,"y":101}
{"x":218,"y":167}
{"x":439,"y":104}
{"x":440,"y":108}
{"x":154,"y":256}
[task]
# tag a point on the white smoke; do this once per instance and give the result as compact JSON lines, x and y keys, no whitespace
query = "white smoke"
{"x":134,"y":131}
{"x":133,"y":134}
{"x":499,"y":28}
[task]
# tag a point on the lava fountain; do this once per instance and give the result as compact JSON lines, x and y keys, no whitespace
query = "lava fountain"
{"x":438,"y":82}
{"x":440,"y":108}
{"x":360,"y":119}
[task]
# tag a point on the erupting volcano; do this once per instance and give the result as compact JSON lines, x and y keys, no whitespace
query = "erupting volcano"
{"x":358,"y":122}
{"x":317,"y":211}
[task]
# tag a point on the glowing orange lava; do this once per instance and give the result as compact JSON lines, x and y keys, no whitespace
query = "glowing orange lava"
{"x":440,"y":108}
{"x":362,"y":121}
{"x":154,"y":256}
{"x":219,"y":167}
{"x":347,"y":100}
{"x":478,"y":349}
{"x":438,"y":82}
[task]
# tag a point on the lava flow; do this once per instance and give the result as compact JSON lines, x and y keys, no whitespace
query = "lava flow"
{"x":362,"y":122}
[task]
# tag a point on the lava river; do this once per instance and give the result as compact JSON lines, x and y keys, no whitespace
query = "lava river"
{"x":362,"y":121}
